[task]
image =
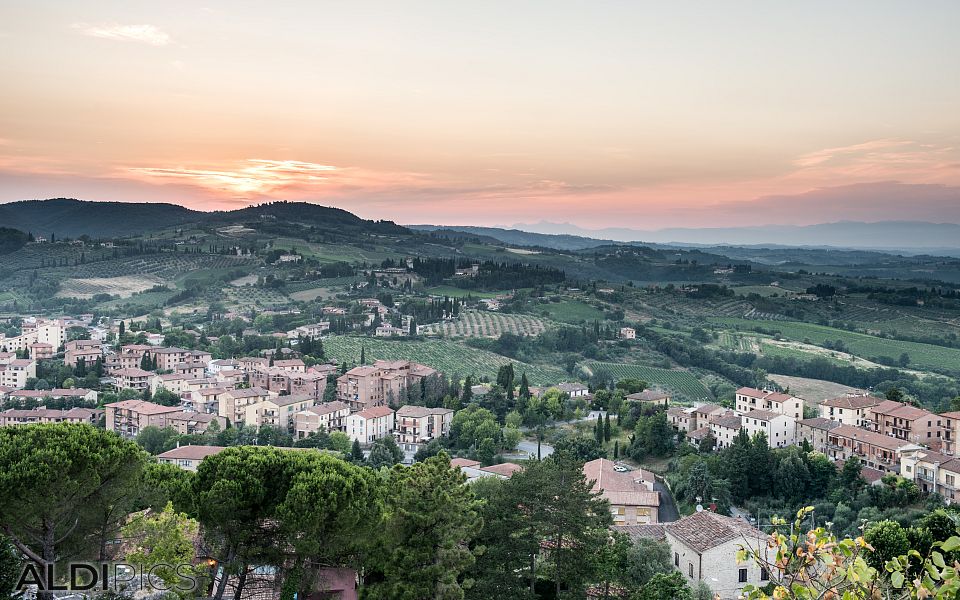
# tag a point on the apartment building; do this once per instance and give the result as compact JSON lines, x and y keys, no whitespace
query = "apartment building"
{"x":276,"y":411}
{"x":692,"y":418}
{"x":175,"y":383}
{"x":416,"y":425}
{"x":379,"y":384}
{"x":128,"y":417}
{"x":41,"y":351}
{"x":934,"y":473}
{"x":292,"y":365}
{"x":190,"y":422}
{"x":876,"y":450}
{"x":779,"y":429}
{"x":168,"y":358}
{"x":371,"y":424}
{"x":725,"y":428}
{"x":14,"y":374}
{"x":205,"y":400}
{"x":748,"y":399}
{"x":188,"y":457}
{"x":33,"y":331}
{"x":633,"y":501}
{"x":313,"y":331}
{"x":86,"y":350}
{"x":132,"y":379}
{"x":330,"y":416}
{"x":907,"y":422}
{"x":815,"y":431}
{"x":12,"y":416}
{"x":75,"y":394}
{"x":233,"y":403}
{"x":293,"y":382}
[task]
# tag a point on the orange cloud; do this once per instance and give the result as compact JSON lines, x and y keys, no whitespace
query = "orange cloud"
{"x":145,"y":34}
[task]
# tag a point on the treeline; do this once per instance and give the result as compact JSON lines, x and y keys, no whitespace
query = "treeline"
{"x":409,"y":532}
{"x":490,"y":274}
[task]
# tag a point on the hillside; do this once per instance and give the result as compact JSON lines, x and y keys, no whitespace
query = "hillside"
{"x":11,"y":240}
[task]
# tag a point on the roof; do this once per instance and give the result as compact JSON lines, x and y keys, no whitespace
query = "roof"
{"x":186,"y":415}
{"x":653,"y":531}
{"x":464,"y":462}
{"x":248,"y":392}
{"x":374,"y":412}
{"x":705,"y":409}
{"x":704,"y":530}
{"x":363,"y":371}
{"x":853,"y":402}
{"x":698,"y":434}
{"x":506,"y":469}
{"x":728,"y":421}
{"x":871,"y":437}
{"x":765,"y":394}
{"x":421,"y":411}
{"x":900,"y":410}
{"x":819,"y":423}
{"x":763,"y":415}
{"x":621,"y":488}
{"x":327,"y":408}
{"x":649,"y":396}
{"x":291,"y":399}
{"x":191,"y":452}
{"x":143,"y":407}
{"x":572,"y":387}
{"x":55,"y":393}
{"x":132,"y":373}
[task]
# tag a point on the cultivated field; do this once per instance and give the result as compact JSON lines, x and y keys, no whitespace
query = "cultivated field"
{"x":488,"y":324}
{"x":444,"y":355}
{"x":813,"y":390}
{"x":683,"y":383}
{"x":569,"y":311}
{"x":123,"y":286}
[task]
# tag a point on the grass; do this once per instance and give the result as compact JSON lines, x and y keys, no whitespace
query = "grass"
{"x":570,"y":311}
{"x":683,"y":383}
{"x":922,"y":356}
{"x":443,"y":355}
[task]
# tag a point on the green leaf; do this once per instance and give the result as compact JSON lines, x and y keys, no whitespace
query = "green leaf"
{"x":897,"y":579}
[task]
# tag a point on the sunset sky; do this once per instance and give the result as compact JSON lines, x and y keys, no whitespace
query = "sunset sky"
{"x":627,"y":114}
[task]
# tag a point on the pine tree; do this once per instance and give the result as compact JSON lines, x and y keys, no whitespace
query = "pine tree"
{"x":356,"y":453}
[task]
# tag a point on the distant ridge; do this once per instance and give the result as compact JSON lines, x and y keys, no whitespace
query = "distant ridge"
{"x":67,"y":217}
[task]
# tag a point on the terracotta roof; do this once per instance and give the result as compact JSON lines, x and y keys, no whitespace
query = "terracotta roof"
{"x":132,"y":373}
{"x":871,"y":437}
{"x":505,"y":469}
{"x":705,"y":409}
{"x":290,"y":399}
{"x":698,"y":434}
{"x":819,"y":423}
{"x":706,"y":529}
{"x":248,"y":392}
{"x":464,"y":462}
{"x":327,"y":408}
{"x":143,"y":407}
{"x":420,"y":411}
{"x":853,"y":402}
{"x":728,"y":421}
{"x":375,"y":412}
{"x":900,"y":410}
{"x":621,"y":488}
{"x":649,"y":396}
{"x":191,"y":452}
{"x":654,"y":531}
{"x":763,"y":415}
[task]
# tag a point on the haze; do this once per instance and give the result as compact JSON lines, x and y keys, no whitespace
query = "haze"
{"x":626,"y":114}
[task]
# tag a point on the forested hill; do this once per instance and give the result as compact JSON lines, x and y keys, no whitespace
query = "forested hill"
{"x":11,"y":240}
{"x":66,"y":217}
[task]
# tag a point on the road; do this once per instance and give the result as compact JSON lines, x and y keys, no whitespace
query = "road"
{"x":528,"y":449}
{"x":667,"y":512}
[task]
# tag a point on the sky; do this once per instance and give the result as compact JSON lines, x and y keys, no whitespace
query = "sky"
{"x":600,"y":113}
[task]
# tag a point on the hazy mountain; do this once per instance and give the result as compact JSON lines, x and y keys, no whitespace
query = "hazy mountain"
{"x":884,"y":235}
{"x":517,"y":237}
{"x":72,"y":218}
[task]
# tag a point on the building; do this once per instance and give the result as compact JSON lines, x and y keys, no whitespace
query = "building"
{"x":876,"y":450}
{"x":816,"y":432}
{"x":907,"y":422}
{"x":370,"y":424}
{"x":132,"y":379}
{"x":380,"y":384}
{"x":389,"y":331}
{"x":276,"y":411}
{"x":309,"y":331}
{"x":628,"y":333}
{"x":934,"y":473}
{"x":682,"y":418}
{"x":188,"y":457}
{"x":232,"y":404}
{"x":473,"y":469}
{"x":748,"y":399}
{"x":779,"y":429}
{"x":86,"y":350}
{"x":632,"y":498}
{"x":289,"y":381}
{"x":704,"y":548}
{"x":190,"y":422}
{"x":330,"y":416}
{"x":575,"y":390}
{"x":651,"y":398}
{"x":41,"y":351}
{"x":416,"y":425}
{"x":725,"y":428}
{"x":13,"y":416}
{"x":15,"y":373}
{"x":129,"y":417}
{"x":849,"y":410}
{"x":33,"y":331}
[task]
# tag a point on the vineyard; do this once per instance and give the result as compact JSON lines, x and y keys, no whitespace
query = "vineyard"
{"x":488,"y":324}
{"x":682,"y":383}
{"x":443,"y":355}
{"x":248,"y":296}
{"x":115,"y":286}
{"x":922,"y":356}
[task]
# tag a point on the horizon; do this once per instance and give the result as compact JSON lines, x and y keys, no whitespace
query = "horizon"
{"x":646,"y":116}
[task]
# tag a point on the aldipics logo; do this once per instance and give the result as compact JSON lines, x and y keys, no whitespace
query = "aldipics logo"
{"x":118,"y":577}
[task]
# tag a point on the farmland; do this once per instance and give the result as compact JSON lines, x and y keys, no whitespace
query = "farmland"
{"x":922,"y":356}
{"x":447,"y":356}
{"x":123,"y":286}
{"x":455,"y":292}
{"x":683,"y":383}
{"x":569,"y":311}
{"x":488,"y":324}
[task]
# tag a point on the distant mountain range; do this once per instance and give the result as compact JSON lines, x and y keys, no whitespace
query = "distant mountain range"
{"x":899,"y":236}
{"x":66,"y":217}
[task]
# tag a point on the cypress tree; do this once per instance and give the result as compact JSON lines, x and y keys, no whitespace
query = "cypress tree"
{"x":606,"y":428}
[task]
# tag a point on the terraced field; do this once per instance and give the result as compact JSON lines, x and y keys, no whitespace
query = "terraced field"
{"x":489,"y":324}
{"x":683,"y":383}
{"x":444,"y":355}
{"x":922,"y":356}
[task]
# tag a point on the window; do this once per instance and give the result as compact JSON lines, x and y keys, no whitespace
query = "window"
{"x":743,"y":575}
{"x":676,"y":559}
{"x":764,"y":575}
{"x":690,"y":569}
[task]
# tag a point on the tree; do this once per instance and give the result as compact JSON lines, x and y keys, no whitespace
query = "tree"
{"x":340,"y":442}
{"x":10,"y":567}
{"x":888,"y":539}
{"x":431,"y":517}
{"x":895,"y":394}
{"x":707,"y":443}
{"x":664,"y":585}
{"x":647,"y":557}
{"x":162,"y":543}
{"x":156,"y":440}
{"x":606,"y":428}
{"x":384,"y":453}
{"x":356,"y":453}
{"x":487,"y":452}
{"x":579,"y":448}
{"x":850,"y":477}
{"x":61,"y":473}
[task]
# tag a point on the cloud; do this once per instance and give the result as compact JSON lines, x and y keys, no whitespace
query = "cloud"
{"x":146,"y":34}
{"x":878,"y":160}
{"x":261,"y":176}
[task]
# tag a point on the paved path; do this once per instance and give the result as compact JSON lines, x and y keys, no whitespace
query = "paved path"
{"x":668,"y":507}
{"x":528,"y":448}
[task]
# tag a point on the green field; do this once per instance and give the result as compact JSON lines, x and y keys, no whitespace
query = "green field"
{"x":447,"y":356}
{"x":683,"y":383}
{"x":922,"y":356}
{"x":570,"y":311}
{"x":455,"y":292}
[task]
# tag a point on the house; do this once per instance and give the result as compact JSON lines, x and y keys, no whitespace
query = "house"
{"x":632,"y":498}
{"x":382,"y":383}
{"x":473,"y":470}
{"x":370,"y":424}
{"x":175,"y":383}
{"x":13,"y":416}
{"x":951,"y":432}
{"x":330,"y":416}
{"x":815,"y":431}
{"x":190,"y":422}
{"x":682,"y":419}
{"x":292,"y":365}
{"x":628,"y":333}
{"x":205,"y":400}
{"x":188,"y":457}
{"x":389,"y":331}
{"x":132,"y":379}
{"x":849,"y":410}
{"x":748,"y":399}
{"x":289,"y":381}
{"x":233,"y":404}
{"x":86,"y":350}
{"x":276,"y":411}
{"x":41,"y":351}
{"x":79,"y":395}
{"x":725,"y":428}
{"x":15,"y":373}
{"x":313,"y":331}
{"x":876,"y":450}
{"x":575,"y":390}
{"x":907,"y":422}
{"x":651,"y":398}
{"x":416,"y":425}
{"x":779,"y":429}
{"x":704,"y":545}
{"x":128,"y":417}
{"x":934,"y":473}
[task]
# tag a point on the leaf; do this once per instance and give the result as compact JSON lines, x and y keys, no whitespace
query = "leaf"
{"x":897,"y":579}
{"x":951,"y":544}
